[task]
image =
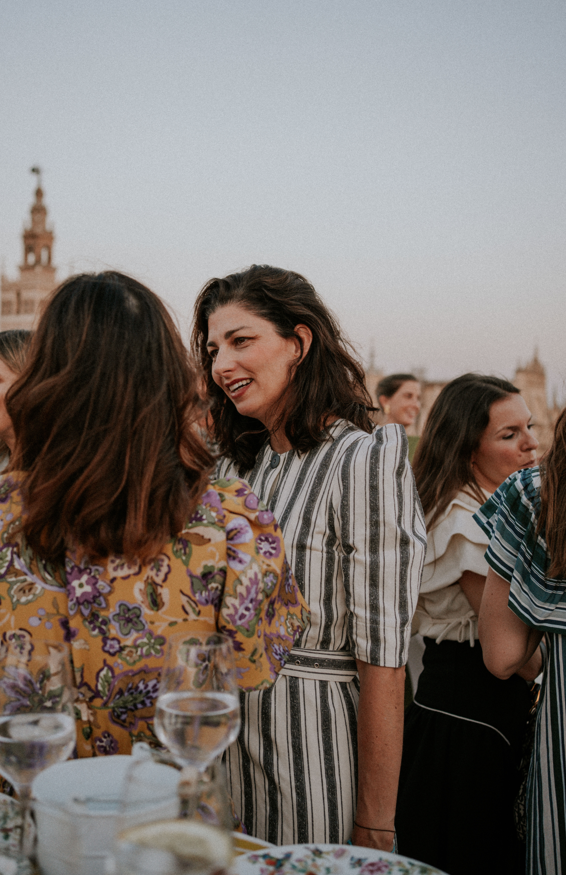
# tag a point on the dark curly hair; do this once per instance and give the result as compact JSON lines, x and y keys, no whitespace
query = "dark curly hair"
{"x":328,"y":382}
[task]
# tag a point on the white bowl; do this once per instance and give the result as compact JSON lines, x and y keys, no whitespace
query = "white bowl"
{"x":77,"y":803}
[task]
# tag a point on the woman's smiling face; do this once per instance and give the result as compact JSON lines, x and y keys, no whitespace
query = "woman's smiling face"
{"x":251,"y":362}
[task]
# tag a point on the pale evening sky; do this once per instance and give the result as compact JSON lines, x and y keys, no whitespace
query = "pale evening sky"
{"x":406,"y":155}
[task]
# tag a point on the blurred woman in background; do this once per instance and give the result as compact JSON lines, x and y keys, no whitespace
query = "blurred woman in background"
{"x":13,"y":349}
{"x":464,"y":730}
{"x":111,"y":535}
{"x":399,"y":397}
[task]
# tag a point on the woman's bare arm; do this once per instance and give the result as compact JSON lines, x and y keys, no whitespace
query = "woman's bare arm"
{"x":472,"y":585}
{"x":380,"y":742}
{"x":508,"y":644}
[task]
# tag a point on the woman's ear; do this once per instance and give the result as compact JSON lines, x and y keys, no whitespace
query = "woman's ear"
{"x":304,"y":332}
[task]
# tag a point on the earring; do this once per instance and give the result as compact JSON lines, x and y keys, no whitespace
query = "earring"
{"x":387,"y":409}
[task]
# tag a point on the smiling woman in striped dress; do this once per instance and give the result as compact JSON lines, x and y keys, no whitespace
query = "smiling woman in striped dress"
{"x":318,"y":756}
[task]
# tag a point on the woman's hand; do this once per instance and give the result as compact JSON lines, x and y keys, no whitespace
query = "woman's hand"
{"x":380,"y":742}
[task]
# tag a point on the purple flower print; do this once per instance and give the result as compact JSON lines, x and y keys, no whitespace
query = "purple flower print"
{"x":111,"y":645}
{"x":20,"y":641}
{"x":268,"y":545}
{"x":211,"y":500}
{"x":238,"y":531}
{"x":97,"y":624}
{"x":265,"y":517}
{"x":120,"y":567}
{"x":269,"y":581}
{"x":280,"y":653}
{"x":207,"y":586}
{"x":131,"y":696}
{"x":106,"y":744}
{"x":241,"y":610}
{"x":25,"y":693}
{"x":85,"y":589}
{"x":68,"y":632}
{"x":127,"y":619}
{"x":199,"y":516}
{"x":159,"y":569}
{"x":231,"y":633}
{"x":251,"y":501}
{"x":375,"y":866}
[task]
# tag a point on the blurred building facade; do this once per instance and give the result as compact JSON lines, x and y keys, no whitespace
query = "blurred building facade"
{"x":21,"y":298}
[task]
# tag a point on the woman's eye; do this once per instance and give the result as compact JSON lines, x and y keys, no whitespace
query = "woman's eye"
{"x":507,"y":437}
{"x":238,"y":341}
{"x":213,"y":353}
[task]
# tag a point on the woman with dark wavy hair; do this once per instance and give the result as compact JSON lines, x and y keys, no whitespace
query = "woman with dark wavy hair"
{"x":464,"y":730}
{"x":524,"y":600}
{"x":290,"y":414}
{"x":111,"y":534}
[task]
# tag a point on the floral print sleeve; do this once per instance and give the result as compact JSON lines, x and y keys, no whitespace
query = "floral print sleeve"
{"x":226,"y":570}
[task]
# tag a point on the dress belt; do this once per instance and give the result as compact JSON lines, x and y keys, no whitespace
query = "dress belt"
{"x":320,"y":665}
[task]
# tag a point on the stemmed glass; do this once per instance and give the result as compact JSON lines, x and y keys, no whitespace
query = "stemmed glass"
{"x":37,"y":723}
{"x":197,"y":713}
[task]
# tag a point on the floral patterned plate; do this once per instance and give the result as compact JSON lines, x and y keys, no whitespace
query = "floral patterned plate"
{"x":328,"y":860}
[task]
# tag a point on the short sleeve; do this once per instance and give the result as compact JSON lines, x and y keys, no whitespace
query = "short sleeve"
{"x":456,"y":544}
{"x":261,"y":607}
{"x":383,"y":542}
{"x":519,"y":555}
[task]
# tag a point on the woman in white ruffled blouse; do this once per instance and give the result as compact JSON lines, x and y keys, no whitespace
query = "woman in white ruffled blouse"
{"x":465,"y":728}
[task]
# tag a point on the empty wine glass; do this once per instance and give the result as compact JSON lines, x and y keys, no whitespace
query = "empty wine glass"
{"x":37,"y":723}
{"x":197,"y":712}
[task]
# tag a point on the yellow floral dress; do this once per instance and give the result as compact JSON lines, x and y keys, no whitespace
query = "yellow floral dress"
{"x":226,"y":570}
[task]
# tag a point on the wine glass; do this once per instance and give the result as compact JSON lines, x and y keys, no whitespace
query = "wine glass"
{"x":153,"y":837}
{"x":37,"y":723}
{"x":197,"y":713}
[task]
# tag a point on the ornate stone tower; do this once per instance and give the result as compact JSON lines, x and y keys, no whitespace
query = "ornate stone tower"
{"x":21,"y":298}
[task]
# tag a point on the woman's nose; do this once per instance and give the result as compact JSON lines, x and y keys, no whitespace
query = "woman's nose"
{"x":221,"y":363}
{"x":531,"y":441}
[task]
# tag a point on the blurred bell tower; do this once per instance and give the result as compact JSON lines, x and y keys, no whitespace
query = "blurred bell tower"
{"x":21,"y":298}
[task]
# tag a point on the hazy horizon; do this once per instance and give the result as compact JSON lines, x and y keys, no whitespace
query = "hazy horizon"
{"x":406,"y":157}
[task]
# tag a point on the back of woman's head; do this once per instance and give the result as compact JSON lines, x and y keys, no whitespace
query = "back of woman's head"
{"x":103,"y":421}
{"x":455,"y":425}
{"x":328,"y":382}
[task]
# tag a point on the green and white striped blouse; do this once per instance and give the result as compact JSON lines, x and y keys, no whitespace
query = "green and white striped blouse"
{"x":520,"y":556}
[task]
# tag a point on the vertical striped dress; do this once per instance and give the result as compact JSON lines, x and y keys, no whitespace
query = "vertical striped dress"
{"x":518,"y":555}
{"x":355,"y":538}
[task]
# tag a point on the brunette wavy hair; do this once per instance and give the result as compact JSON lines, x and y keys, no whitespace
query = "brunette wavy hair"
{"x":14,"y":345}
{"x":552,"y":515}
{"x":104,"y":415}
{"x":328,"y":381}
{"x":456,"y":422}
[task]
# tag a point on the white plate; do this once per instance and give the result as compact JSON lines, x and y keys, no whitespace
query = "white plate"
{"x":328,"y":860}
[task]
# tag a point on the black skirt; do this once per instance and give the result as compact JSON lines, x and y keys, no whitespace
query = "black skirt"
{"x":459,"y":773}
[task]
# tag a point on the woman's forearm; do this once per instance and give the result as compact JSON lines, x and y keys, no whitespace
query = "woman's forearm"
{"x":507,"y":643}
{"x":380,"y":742}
